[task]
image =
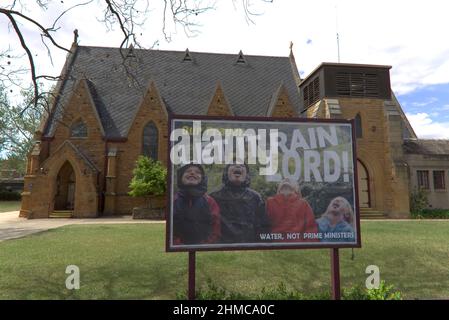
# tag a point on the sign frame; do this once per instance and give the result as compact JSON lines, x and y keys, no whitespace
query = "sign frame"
{"x":266,"y":246}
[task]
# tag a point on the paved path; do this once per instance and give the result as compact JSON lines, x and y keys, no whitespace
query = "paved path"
{"x":12,"y":227}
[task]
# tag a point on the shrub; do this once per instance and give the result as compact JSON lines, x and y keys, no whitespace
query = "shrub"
{"x":384,"y":292}
{"x":432,"y":214}
{"x":149,"y":179}
{"x":418,"y":201}
{"x":213,"y":292}
{"x":354,"y":293}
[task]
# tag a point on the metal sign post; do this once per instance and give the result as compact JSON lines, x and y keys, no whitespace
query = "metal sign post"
{"x":335,"y":274}
{"x":192,"y":271}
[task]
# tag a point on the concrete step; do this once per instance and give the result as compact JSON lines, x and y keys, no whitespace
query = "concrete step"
{"x":368,"y":213}
{"x":61,"y":214}
{"x":373,"y":217}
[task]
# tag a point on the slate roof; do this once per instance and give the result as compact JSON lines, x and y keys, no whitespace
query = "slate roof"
{"x":427,"y":147}
{"x":186,"y":87}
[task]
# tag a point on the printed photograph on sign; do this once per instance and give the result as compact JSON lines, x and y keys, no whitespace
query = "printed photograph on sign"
{"x":261,"y":184}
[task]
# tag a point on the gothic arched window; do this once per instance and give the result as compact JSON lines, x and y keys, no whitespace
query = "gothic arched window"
{"x":150,"y":140}
{"x":358,"y":126}
{"x":78,"y":129}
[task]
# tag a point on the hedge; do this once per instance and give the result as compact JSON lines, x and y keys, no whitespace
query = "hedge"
{"x":431,"y":214}
{"x":10,"y":195}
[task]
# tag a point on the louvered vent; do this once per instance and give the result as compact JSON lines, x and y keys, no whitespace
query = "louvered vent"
{"x":187,"y":56}
{"x":241,"y":58}
{"x":312,"y":92}
{"x":357,"y":85}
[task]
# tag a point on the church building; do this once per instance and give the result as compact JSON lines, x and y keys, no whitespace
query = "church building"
{"x":113,"y":105}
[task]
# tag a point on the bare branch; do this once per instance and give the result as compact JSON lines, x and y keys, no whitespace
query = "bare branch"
{"x":46,"y":31}
{"x":69,"y":9}
{"x":111,"y":7}
{"x":128,"y":15}
{"x":181,"y":14}
{"x":47,"y":77}
{"x":28,"y":52}
{"x":9,"y":74}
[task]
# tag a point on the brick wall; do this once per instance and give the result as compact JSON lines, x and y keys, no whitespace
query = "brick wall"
{"x":114,"y":161}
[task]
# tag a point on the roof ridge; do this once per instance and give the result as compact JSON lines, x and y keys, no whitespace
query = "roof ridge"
{"x":184,"y":88}
{"x":419,"y":139}
{"x":183,"y":51}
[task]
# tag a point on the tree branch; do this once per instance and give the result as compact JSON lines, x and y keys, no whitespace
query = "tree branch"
{"x":119,"y":19}
{"x":28,"y":52}
{"x":46,"y":31}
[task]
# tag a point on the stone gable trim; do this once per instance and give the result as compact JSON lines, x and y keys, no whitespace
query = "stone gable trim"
{"x":77,"y":89}
{"x":274,"y":100}
{"x":280,"y":92}
{"x":213,"y":103}
{"x":151,"y":89}
{"x":69,"y":144}
{"x":48,"y":117}
{"x":92,"y":103}
{"x":295,"y":71}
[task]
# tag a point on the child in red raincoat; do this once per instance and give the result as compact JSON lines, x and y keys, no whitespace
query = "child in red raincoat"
{"x":290,"y":214}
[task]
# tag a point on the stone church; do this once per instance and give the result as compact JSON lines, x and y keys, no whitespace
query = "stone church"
{"x":113,"y":105}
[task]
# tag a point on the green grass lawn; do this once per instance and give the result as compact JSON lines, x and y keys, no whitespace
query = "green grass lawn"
{"x":6,"y":206}
{"x":129,"y":262}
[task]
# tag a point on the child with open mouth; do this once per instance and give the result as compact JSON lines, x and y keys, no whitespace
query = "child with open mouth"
{"x":196,"y":215}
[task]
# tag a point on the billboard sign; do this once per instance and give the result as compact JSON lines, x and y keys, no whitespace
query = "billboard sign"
{"x":261,"y":183}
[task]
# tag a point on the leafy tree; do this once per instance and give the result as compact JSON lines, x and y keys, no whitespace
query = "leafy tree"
{"x":18,"y":125}
{"x":149,"y":179}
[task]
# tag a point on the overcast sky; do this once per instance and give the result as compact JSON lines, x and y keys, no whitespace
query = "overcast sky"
{"x":408,"y":35}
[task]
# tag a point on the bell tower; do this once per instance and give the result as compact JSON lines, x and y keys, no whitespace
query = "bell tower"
{"x":363,"y":93}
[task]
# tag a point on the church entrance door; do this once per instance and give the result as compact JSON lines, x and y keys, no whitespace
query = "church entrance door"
{"x":65,"y":188}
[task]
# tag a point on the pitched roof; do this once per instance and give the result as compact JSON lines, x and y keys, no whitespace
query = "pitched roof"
{"x":409,"y":132}
{"x":184,"y":86}
{"x":427,"y":147}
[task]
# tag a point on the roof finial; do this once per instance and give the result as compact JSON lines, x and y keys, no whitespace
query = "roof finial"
{"x":291,"y":45}
{"x":75,"y":36}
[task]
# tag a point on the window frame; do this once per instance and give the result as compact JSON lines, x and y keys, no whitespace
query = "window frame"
{"x":150,"y":125}
{"x":358,"y":126}
{"x":311,"y":92}
{"x":76,"y":125}
{"x":420,"y":174}
{"x":443,"y":180}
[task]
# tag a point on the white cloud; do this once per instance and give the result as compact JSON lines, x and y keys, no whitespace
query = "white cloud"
{"x":425,"y":103}
{"x":375,"y":32}
{"x":426,"y":128}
